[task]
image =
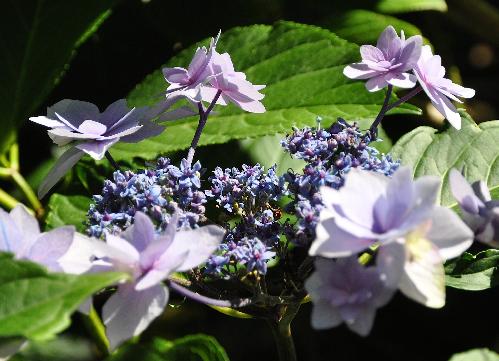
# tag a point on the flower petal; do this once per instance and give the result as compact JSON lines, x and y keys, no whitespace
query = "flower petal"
{"x":96,"y":149}
{"x":376,"y":83}
{"x":128,"y":312}
{"x":51,"y":123}
{"x":401,"y":80}
{"x":359,"y":71}
{"x":74,"y":112}
{"x":51,"y":246}
{"x":11,"y":237}
{"x":25,"y":221}
{"x":61,"y":167}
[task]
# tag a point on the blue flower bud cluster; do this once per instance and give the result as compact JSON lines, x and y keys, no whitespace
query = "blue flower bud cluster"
{"x":329,"y":153}
{"x":251,"y":194}
{"x":158,"y":192}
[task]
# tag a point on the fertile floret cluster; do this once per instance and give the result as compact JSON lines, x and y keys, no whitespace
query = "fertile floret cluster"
{"x":250,"y":193}
{"x":330,"y":154}
{"x":157,"y":192}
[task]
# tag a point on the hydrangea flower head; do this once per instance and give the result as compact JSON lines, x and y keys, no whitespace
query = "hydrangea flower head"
{"x":430,"y":74}
{"x":480,"y":212}
{"x":149,"y":259}
{"x":20,"y":234}
{"x":400,"y":216}
{"x":345,"y":291}
{"x":91,"y":132}
{"x":388,"y":62}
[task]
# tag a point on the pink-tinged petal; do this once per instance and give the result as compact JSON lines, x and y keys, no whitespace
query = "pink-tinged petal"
{"x":252,"y":106}
{"x":96,"y":149}
{"x":401,"y":80}
{"x":461,"y":91}
{"x":129,"y":312}
{"x":433,"y":67}
{"x":176,"y":75}
{"x":156,"y":249}
{"x":199,"y":244}
{"x":51,"y":246}
{"x":376,"y":83}
{"x":73,"y":112}
{"x":160,"y":272}
{"x":208,"y":94}
{"x":372,"y":53}
{"x":66,"y":161}
{"x":386,"y":39}
{"x":449,"y":233}
{"x":25,"y":221}
{"x":463,"y":192}
{"x":426,"y":54}
{"x":51,"y":123}
{"x":92,"y":127}
{"x":411,"y":52}
{"x":11,"y":237}
{"x":332,"y":241}
{"x":359,"y":71}
{"x":198,"y":68}
{"x":447,"y":109}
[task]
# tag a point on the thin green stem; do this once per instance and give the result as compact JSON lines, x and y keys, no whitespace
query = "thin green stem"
{"x":7,"y":200}
{"x":281,"y":331}
{"x":14,"y":156}
{"x":19,"y":180}
{"x":97,"y":331}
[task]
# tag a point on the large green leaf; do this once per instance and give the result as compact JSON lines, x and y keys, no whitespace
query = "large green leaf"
{"x":301,"y":65}
{"x":67,"y":210}
{"x":38,"y":38}
{"x":474,"y":148}
{"x":474,"y":273}
{"x":363,"y":26}
{"x":36,"y":304}
{"x":403,"y":6}
{"x":188,"y":348}
{"x":479,"y":354}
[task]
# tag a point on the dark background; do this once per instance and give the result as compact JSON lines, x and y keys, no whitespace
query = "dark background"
{"x":139,"y":37}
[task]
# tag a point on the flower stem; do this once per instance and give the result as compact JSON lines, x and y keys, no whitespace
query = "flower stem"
{"x":29,"y":193}
{"x":96,"y":328}
{"x":203,"y":118}
{"x":281,"y":330}
{"x":373,"y":130}
{"x":207,"y":300}
{"x":405,"y":98}
{"x":111,"y":160}
{"x":7,"y":200}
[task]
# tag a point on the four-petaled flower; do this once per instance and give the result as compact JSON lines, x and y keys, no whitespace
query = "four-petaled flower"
{"x":344,"y":291}
{"x":91,"y":132}
{"x":430,"y":74}
{"x":399,"y":217}
{"x":388,"y":62}
{"x":149,"y":259}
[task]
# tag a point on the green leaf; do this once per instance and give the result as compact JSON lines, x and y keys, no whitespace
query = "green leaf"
{"x":404,"y":6}
{"x":36,"y":304}
{"x":301,"y":65}
{"x":38,"y":40}
{"x":67,"y":210}
{"x":474,"y":148}
{"x":479,"y":354}
{"x":474,"y":273}
{"x":363,"y":26}
{"x":188,"y":348}
{"x":62,"y":348}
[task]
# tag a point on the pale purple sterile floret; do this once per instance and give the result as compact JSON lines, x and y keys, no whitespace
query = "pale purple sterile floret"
{"x":479,"y":210}
{"x":388,"y":62}
{"x":149,"y":259}
{"x":20,"y":235}
{"x":233,"y":86}
{"x":400,"y":215}
{"x":189,"y":80}
{"x":430,"y":74}
{"x":91,"y":132}
{"x":344,"y":291}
